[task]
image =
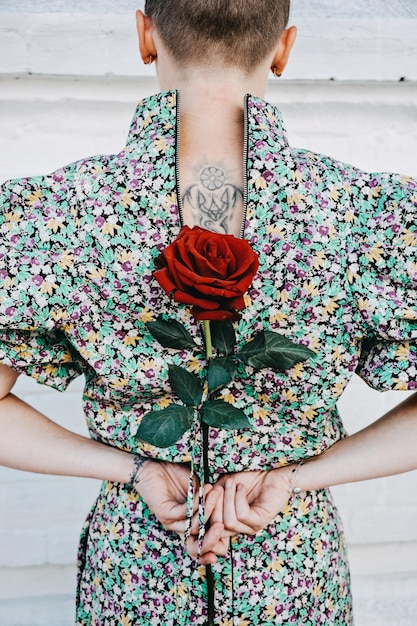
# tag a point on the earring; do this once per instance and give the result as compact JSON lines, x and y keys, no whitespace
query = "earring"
{"x":150,"y":60}
{"x":274,"y":71}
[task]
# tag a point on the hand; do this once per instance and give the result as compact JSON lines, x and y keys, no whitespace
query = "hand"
{"x":164,"y":488}
{"x":216,"y":538}
{"x":253,"y":499}
{"x":245,"y":502}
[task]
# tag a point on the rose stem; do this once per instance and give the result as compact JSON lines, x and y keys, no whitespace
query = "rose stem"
{"x":207,"y":339}
{"x":209,"y":355}
{"x":209,"y":572}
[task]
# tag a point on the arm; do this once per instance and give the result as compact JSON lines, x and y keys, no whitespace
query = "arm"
{"x":31,"y":442}
{"x":386,"y":447}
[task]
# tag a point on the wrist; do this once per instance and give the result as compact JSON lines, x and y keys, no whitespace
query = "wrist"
{"x":138,"y":462}
{"x":282,"y":477}
{"x":290,"y":478}
{"x":294,"y":488}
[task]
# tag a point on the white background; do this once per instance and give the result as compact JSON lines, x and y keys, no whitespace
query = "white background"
{"x":69,"y":82}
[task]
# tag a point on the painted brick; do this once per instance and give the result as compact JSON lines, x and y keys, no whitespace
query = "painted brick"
{"x":19,"y":549}
{"x":343,"y":48}
{"x":13,"y":51}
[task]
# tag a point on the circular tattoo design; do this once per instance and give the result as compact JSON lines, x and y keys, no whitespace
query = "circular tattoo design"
{"x":212,"y":178}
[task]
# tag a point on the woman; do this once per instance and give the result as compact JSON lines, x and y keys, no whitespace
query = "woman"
{"x":78,"y":252}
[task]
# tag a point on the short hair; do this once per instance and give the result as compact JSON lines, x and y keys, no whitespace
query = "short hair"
{"x":227,"y":32}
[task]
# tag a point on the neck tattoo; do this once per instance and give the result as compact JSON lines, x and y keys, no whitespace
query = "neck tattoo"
{"x":213,"y":200}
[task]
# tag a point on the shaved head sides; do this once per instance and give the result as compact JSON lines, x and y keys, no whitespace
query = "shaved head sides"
{"x":238,"y":33}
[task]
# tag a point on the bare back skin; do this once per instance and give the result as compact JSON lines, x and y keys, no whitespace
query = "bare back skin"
{"x":211,"y":174}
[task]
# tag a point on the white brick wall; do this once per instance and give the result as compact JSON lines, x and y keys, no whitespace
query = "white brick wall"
{"x":41,"y":516}
{"x":46,"y":122}
{"x":354,"y":45}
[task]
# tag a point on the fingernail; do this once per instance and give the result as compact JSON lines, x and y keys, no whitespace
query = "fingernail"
{"x":228,"y":484}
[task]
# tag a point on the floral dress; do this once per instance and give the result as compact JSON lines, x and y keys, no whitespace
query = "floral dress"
{"x":338,"y":270}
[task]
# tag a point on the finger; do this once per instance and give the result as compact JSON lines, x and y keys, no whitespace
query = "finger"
{"x":230,"y":518}
{"x":192,"y":549}
{"x":212,"y":538}
{"x":213,"y":502}
{"x":229,"y":508}
{"x":170,"y":514}
{"x":256,"y":515}
{"x":222,"y":480}
{"x":242,"y":506}
{"x":236,"y":521}
{"x":208,"y":559}
{"x":207,"y":488}
{"x":177,"y":526}
{"x":220,"y":549}
{"x":210,"y":556}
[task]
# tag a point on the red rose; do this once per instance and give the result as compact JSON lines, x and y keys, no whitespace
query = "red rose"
{"x":209,"y":271}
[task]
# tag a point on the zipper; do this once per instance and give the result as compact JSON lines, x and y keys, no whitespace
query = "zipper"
{"x":245,"y":164}
{"x":177,"y":159}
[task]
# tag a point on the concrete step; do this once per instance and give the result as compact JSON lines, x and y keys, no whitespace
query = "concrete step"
{"x":54,"y":610}
{"x":385,"y":600}
{"x":37,"y":596}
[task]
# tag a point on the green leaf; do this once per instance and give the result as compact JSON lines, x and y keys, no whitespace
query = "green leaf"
{"x":171,"y":334}
{"x":223,"y":337}
{"x":220,"y":372}
{"x":272,"y":350}
{"x":220,"y":414}
{"x":187,"y":386}
{"x":164,"y":428}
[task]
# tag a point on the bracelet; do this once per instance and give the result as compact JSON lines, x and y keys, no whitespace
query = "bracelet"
{"x":138,"y":462}
{"x":293,"y":489}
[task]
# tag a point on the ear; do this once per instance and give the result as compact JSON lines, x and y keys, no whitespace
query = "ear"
{"x":283,"y":50}
{"x":146,"y":42}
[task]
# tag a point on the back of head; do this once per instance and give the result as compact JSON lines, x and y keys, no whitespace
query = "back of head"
{"x":237,"y":33}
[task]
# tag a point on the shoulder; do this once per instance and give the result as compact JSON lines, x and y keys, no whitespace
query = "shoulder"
{"x":57,"y":191}
{"x":324,"y":168}
{"x":363,"y":193}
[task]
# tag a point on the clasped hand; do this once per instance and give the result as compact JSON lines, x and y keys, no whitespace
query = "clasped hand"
{"x":240,"y":503}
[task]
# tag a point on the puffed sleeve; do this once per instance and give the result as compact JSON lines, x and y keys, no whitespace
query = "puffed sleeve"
{"x":37,"y":230}
{"x":382,"y":269}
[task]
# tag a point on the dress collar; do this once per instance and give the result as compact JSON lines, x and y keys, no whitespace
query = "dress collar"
{"x":157,"y":115}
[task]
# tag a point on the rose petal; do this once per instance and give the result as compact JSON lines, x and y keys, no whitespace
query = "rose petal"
{"x":220,"y":256}
{"x":181,"y":252}
{"x":202,"y":263}
{"x":216,"y":291}
{"x":220,"y":315}
{"x":237,"y":303}
{"x":171,"y":263}
{"x":210,"y":287}
{"x":186,"y":298}
{"x":209,"y":271}
{"x":248,"y":263}
{"x":164,"y":279}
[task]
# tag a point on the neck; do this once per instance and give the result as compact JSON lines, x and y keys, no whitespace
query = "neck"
{"x":211,"y":112}
{"x":214,"y":95}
